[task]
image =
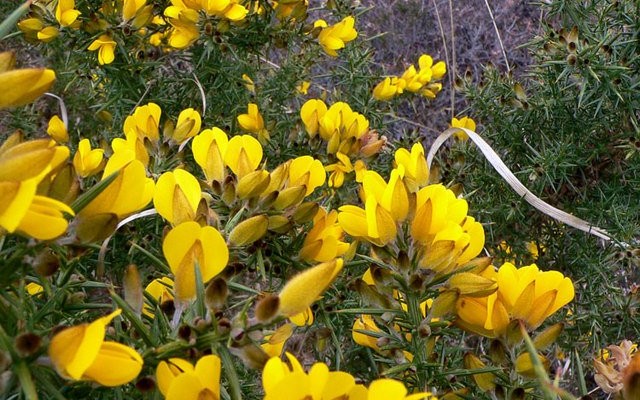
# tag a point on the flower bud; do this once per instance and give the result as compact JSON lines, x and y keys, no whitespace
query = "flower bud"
{"x":305,"y":212}
{"x":216,"y":294}
{"x":267,"y":307}
{"x":486,"y":380}
{"x":46,"y":263}
{"x":133,"y":293}
{"x":27,"y":344}
{"x":249,"y":230}
{"x":279,"y":224}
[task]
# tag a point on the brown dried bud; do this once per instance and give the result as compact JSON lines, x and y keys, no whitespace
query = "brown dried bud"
{"x":27,"y":344}
{"x":216,"y":294}
{"x":146,"y":384}
{"x":267,"y":307}
{"x":46,"y":263}
{"x":184,"y":332}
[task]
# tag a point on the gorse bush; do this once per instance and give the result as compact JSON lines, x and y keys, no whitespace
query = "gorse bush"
{"x":200,"y":201}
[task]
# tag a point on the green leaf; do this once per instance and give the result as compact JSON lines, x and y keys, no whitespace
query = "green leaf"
{"x":10,"y":22}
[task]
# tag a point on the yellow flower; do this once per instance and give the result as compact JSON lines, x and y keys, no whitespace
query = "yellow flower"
{"x":464,"y":122}
{"x":183,"y":20}
{"x":80,"y":352}
{"x":178,"y":379}
{"x":365,"y":322}
{"x":144,"y":122}
{"x":416,"y":171}
{"x":189,"y":246}
{"x":253,"y":122}
{"x":131,"y":190}
{"x":22,"y":86}
{"x":448,"y":237}
{"x":339,"y":170}
{"x":209,"y":148}
{"x":243,"y":155}
{"x":65,"y":12}
{"x":324,"y":241}
{"x":22,"y":167}
{"x":387,"y":88}
{"x":274,"y":344}
{"x":130,"y":8}
{"x":57,"y":131}
{"x":525,"y":294}
{"x":87,"y":161}
{"x":176,"y":196}
{"x":248,"y":83}
{"x":132,"y":143}
{"x":161,"y":290}
{"x":34,"y":29}
{"x":33,"y":288}
{"x":282,"y":381}
{"x":373,"y":223}
{"x":311,"y":113}
{"x":335,"y":37}
{"x":106,"y":47}
{"x":304,"y":289}
{"x":229,"y":9}
{"x":303,"y":87}
{"x":304,"y":318}
{"x":188,"y":125}
{"x":392,"y":196}
{"x":308,"y":172}
{"x":44,"y":218}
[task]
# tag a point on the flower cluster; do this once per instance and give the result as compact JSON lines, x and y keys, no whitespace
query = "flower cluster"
{"x":290,"y":382}
{"x":526,"y":294}
{"x":423,"y":80}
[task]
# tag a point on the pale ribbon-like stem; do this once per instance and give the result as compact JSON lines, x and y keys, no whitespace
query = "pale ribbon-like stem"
{"x":63,"y":109}
{"x":516,"y":185}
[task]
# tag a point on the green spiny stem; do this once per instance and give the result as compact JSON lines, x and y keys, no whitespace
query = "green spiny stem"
{"x":26,"y":380}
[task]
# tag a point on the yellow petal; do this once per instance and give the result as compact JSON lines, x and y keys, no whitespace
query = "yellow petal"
{"x":22,"y":86}
{"x":115,"y":365}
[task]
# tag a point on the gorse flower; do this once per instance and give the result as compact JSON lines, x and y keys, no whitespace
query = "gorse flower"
{"x":22,"y":86}
{"x":178,"y":379}
{"x":66,"y":14}
{"x":324,"y":240}
{"x":526,"y":294}
{"x":188,"y":125}
{"x":243,"y":154}
{"x":335,"y":37}
{"x":252,"y":122}
{"x":282,"y":381}
{"x":344,"y":130}
{"x":209,"y":148}
{"x":144,"y":122}
{"x":57,"y":131}
{"x":131,"y":191}
{"x":161,"y":290}
{"x":81,"y":353}
{"x":176,"y":196}
{"x":22,"y":167}
{"x":464,"y":122}
{"x":87,"y":161}
{"x":416,"y":80}
{"x":189,"y":246}
{"x":105,"y":46}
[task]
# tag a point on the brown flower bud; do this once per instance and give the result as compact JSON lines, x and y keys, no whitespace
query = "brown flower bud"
{"x":27,"y":344}
{"x":267,"y":307}
{"x":216,"y":294}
